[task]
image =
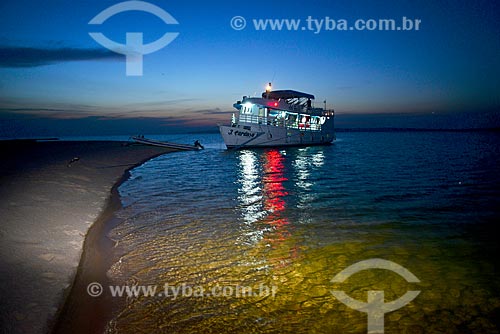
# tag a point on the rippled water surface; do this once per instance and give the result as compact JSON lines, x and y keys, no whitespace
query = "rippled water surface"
{"x":291,"y":219}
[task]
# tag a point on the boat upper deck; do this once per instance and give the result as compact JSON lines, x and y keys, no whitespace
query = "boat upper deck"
{"x":283,"y":108}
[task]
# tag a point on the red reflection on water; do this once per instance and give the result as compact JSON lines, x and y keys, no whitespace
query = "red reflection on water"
{"x":273,"y":179}
{"x":274,"y":203}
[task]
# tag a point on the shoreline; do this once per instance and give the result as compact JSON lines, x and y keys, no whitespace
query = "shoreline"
{"x":81,"y":313}
{"x":54,"y":196}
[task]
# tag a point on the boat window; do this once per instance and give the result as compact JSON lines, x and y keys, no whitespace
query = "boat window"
{"x":274,"y":113}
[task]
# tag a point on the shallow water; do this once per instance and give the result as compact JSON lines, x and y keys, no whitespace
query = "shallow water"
{"x":291,"y":219}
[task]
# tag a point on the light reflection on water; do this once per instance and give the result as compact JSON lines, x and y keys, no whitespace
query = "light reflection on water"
{"x":293,"y":219}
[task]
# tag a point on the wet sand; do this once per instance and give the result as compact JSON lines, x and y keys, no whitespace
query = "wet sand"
{"x":49,"y":202}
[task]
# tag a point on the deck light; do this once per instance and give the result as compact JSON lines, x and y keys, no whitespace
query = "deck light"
{"x":268,"y":87}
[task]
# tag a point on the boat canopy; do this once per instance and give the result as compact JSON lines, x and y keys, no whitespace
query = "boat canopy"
{"x":287,"y":94}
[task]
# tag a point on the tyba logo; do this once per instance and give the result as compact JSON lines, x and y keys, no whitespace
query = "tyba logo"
{"x":134,"y":48}
{"x":375,"y":307}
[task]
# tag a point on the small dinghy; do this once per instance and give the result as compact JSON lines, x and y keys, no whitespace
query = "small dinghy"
{"x":185,"y":147}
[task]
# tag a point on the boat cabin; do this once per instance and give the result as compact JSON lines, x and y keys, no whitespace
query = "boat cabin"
{"x":283,"y":108}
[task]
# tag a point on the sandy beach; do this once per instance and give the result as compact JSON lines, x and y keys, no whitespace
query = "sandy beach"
{"x":51,"y":195}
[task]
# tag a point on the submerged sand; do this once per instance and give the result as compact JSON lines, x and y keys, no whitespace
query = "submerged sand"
{"x":46,"y":209}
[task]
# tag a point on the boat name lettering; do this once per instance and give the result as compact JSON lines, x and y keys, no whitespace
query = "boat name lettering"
{"x":241,"y":133}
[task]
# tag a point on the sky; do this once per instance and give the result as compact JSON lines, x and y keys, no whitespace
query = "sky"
{"x":55,"y":79}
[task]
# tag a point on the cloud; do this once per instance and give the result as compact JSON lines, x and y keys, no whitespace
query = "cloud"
{"x":14,"y":125}
{"x":165,"y":117}
{"x":16,"y":56}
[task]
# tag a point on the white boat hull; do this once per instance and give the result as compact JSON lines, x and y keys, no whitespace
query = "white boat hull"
{"x":259,"y":135}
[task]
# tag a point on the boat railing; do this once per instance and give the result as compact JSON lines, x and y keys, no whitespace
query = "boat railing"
{"x":279,"y":122}
{"x":253,"y":119}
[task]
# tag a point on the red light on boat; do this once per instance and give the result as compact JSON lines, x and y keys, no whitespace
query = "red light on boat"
{"x":275,"y":104}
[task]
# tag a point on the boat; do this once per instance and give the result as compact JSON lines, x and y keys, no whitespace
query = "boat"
{"x":278,"y":118}
{"x":184,"y":147}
